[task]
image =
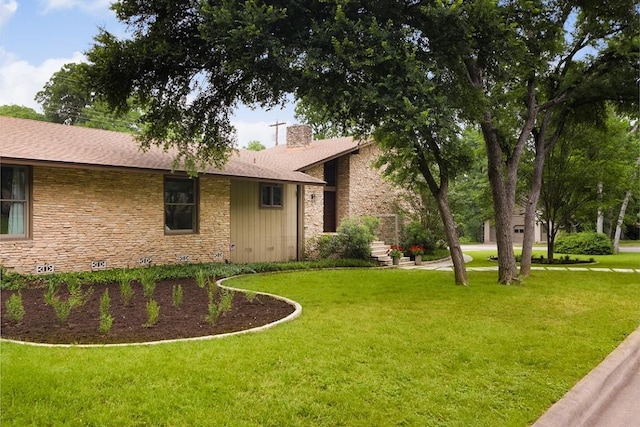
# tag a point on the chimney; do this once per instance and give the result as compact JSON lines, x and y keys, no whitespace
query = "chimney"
{"x":298,"y":136}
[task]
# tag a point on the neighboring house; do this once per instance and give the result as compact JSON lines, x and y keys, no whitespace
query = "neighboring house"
{"x":354,"y":186}
{"x":517,"y":224}
{"x":77,"y":199}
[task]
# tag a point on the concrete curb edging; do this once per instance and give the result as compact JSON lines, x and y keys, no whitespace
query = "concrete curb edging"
{"x":589,"y":398}
{"x":296,"y":313}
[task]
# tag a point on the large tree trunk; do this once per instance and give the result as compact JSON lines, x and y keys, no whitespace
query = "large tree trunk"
{"x":440,"y":192}
{"x":542,"y":149}
{"x":530,"y":211}
{"x":503,"y":190}
{"x":459,"y":269}
{"x":503,"y":206}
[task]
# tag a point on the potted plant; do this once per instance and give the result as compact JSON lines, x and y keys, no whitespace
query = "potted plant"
{"x":417,"y":251}
{"x":396,"y":253}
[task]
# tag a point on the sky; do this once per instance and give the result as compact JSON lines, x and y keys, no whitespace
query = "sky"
{"x":37,"y":37}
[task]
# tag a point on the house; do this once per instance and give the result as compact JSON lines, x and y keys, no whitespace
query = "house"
{"x":517,"y":224}
{"x":354,"y":187}
{"x":76,"y":199}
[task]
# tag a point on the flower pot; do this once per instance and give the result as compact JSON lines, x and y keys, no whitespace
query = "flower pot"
{"x":396,"y":260}
{"x":418,"y":259}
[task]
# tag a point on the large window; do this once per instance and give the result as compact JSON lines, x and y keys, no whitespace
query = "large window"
{"x":271,"y":195}
{"x":180,"y":205}
{"x":14,"y":204}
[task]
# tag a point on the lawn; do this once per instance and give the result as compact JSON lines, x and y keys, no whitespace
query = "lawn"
{"x":372,"y":348}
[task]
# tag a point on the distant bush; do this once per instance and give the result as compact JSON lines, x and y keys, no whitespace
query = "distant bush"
{"x":588,"y":243}
{"x":415,"y":233}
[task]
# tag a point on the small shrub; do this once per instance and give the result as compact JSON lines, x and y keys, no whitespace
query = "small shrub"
{"x":148,"y":282}
{"x":126,"y":290}
{"x":177,"y":295}
{"x":415,"y":233}
{"x":106,"y":319}
{"x":201,"y":279}
{"x":226,"y":299}
{"x":356,"y":239}
{"x":587,"y":243}
{"x":75,"y":298}
{"x":15,"y":308}
{"x":250,"y":295}
{"x":213,"y":313}
{"x":153,"y":312}
{"x":352,"y":240}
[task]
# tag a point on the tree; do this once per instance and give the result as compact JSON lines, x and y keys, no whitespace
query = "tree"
{"x":480,"y":62}
{"x":65,"y":95}
{"x":66,"y":98}
{"x":20,"y":112}
{"x":255,"y":146}
{"x":587,"y":156}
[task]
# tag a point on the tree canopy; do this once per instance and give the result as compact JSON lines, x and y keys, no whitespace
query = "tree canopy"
{"x":66,"y":98}
{"x":21,"y":112}
{"x":409,"y":71}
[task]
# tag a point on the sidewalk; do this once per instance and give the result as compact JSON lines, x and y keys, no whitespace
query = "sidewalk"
{"x":609,"y":396}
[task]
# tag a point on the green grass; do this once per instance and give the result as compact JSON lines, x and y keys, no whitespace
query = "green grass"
{"x":372,"y":348}
{"x":619,"y":260}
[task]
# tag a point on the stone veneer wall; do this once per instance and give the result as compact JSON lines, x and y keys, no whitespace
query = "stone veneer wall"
{"x":314,"y":204}
{"x":361,"y":192}
{"x":298,"y":136}
{"x":369,"y":193}
{"x":81,"y":216}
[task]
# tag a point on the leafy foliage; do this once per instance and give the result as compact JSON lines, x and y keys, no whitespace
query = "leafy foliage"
{"x":15,"y":308}
{"x":587,"y":243}
{"x":20,"y":112}
{"x":352,"y":240}
{"x":415,"y":234}
{"x":106,"y":319}
{"x":67,"y":98}
{"x":63,"y":305}
{"x":255,"y":146}
{"x":153,"y":313}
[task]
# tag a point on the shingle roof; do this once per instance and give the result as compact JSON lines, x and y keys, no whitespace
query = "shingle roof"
{"x":33,"y":141}
{"x":302,"y":158}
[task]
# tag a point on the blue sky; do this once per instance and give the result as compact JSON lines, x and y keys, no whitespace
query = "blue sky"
{"x":37,"y":37}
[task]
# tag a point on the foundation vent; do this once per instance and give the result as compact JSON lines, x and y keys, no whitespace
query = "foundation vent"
{"x":45,"y":268}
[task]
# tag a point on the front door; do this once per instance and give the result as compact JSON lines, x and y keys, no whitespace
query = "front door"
{"x":329,"y":211}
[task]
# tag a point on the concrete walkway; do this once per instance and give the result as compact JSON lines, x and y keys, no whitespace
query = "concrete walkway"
{"x":609,"y":396}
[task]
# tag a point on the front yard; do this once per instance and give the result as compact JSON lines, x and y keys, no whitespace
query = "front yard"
{"x":372,"y":348}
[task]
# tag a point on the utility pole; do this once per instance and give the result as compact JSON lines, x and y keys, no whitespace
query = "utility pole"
{"x":276,"y":124}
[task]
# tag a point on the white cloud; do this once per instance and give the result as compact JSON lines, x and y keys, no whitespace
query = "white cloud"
{"x":20,"y":81}
{"x":7,"y":10}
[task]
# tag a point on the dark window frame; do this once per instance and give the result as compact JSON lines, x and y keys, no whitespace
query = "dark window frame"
{"x":26,"y":202}
{"x":194,"y":204}
{"x":270,"y":187}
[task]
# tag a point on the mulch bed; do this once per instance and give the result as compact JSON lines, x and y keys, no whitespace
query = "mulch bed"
{"x":41,"y":325}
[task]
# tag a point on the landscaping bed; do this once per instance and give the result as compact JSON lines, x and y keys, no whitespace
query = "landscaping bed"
{"x":41,"y":324}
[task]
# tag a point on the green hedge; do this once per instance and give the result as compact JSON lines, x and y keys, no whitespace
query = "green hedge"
{"x":588,"y":243}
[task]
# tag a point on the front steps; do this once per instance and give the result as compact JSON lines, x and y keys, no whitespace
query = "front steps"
{"x":380,"y":251}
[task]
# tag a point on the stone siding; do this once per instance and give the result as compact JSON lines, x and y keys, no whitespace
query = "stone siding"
{"x":314,"y":204}
{"x":115,"y":218}
{"x":361,"y":192}
{"x":298,"y":136}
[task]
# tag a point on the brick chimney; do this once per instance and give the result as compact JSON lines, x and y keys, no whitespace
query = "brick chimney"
{"x":298,"y":136}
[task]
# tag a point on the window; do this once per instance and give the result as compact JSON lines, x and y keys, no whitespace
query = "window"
{"x":518,"y":229}
{"x":271,"y":195}
{"x":180,"y":205}
{"x":14,"y":204}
